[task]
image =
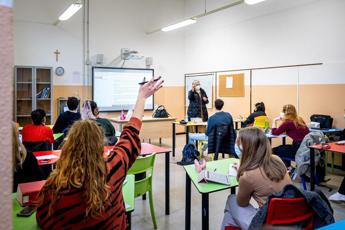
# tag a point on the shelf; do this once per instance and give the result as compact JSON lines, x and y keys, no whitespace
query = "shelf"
{"x":44,"y":82}
{"x":43,"y":99}
{"x":24,"y":99}
{"x":24,"y":82}
{"x":29,"y":115}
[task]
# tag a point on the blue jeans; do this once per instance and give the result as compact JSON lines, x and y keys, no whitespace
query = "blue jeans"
{"x":197,"y":137}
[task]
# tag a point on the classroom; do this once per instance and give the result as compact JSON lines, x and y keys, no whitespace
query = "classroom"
{"x":172,"y":114}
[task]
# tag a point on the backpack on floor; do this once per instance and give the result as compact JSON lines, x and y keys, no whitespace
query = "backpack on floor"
{"x":189,"y":154}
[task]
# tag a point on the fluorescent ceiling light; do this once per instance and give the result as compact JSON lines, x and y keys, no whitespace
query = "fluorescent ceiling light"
{"x":71,"y":10}
{"x":179,"y":25}
{"x":252,"y":2}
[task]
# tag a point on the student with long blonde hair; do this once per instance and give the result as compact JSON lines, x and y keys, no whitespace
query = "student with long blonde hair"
{"x":24,"y":164}
{"x":85,"y":189}
{"x":294,"y":126}
{"x":260,"y":173}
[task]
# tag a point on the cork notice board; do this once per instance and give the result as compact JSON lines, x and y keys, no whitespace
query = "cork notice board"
{"x":231,"y":85}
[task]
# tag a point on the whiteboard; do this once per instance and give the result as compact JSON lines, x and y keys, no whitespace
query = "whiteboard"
{"x":206,"y":83}
{"x":116,"y":89}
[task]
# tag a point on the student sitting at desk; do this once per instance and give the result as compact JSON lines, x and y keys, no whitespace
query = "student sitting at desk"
{"x":219,"y":118}
{"x":37,"y":132}
{"x":294,"y":126}
{"x":258,"y":111}
{"x":67,"y":118}
{"x":260,"y":173}
{"x":25,"y":166}
{"x":85,"y":190}
{"x":90,"y":111}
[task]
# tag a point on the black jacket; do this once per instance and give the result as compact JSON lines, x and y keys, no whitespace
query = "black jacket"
{"x":65,"y":121}
{"x":30,"y":171}
{"x":197,"y":105}
{"x":221,"y":139}
{"x":323,"y":212}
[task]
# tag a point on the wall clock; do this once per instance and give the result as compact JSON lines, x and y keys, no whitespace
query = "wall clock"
{"x":59,"y":71}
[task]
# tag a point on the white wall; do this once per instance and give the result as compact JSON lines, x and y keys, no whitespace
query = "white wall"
{"x":271,"y":34}
{"x":36,"y":38}
{"x":276,"y":32}
{"x":113,"y":25}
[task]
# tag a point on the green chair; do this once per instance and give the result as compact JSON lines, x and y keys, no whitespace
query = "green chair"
{"x":144,"y":165}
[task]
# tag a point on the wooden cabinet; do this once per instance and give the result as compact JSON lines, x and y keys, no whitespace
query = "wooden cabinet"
{"x":32,"y":90}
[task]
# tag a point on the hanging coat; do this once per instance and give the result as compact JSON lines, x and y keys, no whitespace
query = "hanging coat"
{"x":197,"y":106}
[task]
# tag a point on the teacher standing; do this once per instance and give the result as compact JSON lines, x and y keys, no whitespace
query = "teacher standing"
{"x":197,"y":102}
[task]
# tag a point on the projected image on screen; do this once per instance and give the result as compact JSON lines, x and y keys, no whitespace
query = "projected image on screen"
{"x":116,"y":89}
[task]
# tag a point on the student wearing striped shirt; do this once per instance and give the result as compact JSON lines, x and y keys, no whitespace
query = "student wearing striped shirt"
{"x":85,"y":190}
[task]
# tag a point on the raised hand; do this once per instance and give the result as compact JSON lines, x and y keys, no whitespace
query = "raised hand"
{"x":149,"y":88}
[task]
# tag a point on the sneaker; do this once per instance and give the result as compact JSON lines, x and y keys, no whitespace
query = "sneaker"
{"x":337,"y":197}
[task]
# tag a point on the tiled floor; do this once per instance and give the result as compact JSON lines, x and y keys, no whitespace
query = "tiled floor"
{"x":141,"y":218}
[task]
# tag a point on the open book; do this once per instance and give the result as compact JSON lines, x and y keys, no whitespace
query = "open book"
{"x":205,"y":176}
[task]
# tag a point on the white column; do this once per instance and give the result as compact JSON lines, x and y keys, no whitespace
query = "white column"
{"x":6,"y":77}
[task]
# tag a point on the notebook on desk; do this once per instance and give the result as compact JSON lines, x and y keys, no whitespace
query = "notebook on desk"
{"x":207,"y":176}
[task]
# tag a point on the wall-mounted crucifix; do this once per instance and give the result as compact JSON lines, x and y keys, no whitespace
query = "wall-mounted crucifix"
{"x":57,"y":53}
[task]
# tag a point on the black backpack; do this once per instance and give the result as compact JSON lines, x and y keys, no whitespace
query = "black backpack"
{"x":189,"y":154}
{"x":325,"y":121}
{"x":160,"y":112}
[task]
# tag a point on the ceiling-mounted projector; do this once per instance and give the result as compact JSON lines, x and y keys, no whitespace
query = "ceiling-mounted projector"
{"x":127,"y":54}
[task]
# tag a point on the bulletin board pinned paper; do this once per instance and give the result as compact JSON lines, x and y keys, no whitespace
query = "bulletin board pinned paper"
{"x":231,"y":85}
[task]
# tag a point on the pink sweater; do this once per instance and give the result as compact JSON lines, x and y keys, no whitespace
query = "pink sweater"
{"x":295,"y":133}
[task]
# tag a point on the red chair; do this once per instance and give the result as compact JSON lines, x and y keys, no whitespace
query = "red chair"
{"x":232,"y":228}
{"x":289,"y":211}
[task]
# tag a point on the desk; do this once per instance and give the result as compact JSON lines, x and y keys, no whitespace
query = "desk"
{"x":146,"y":149}
{"x":186,"y":127}
{"x":151,"y":127}
{"x":334,"y":148}
{"x":196,"y":125}
{"x":29,"y":223}
{"x":238,"y":123}
{"x":205,"y":189}
{"x":327,"y":131}
{"x":271,"y":136}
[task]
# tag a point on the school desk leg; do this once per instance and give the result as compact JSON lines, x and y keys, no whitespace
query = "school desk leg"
{"x":173,"y":138}
{"x":233,"y":190}
{"x":236,"y":125}
{"x":167,"y":183}
{"x":187,"y":135}
{"x":188,"y":203}
{"x":284,"y":140}
{"x":312,"y":169}
{"x":205,"y":212}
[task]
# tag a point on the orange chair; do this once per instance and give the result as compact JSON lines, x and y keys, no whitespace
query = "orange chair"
{"x":289,"y":211}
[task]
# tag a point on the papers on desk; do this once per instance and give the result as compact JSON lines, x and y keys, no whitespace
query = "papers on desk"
{"x":46,"y":157}
{"x":233,"y":170}
{"x":206,"y":176}
{"x":340,"y":143}
{"x":269,"y":135}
